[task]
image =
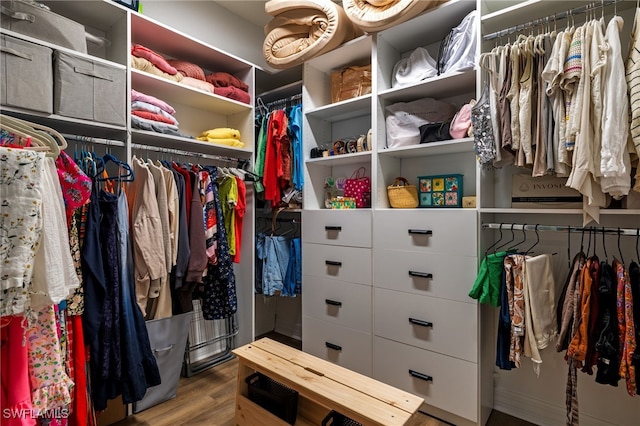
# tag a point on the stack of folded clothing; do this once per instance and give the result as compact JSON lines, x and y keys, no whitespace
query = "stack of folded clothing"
{"x":153,"y":114}
{"x":147,"y":60}
{"x":222,"y":136}
{"x":192,"y":75}
{"x":229,"y":86}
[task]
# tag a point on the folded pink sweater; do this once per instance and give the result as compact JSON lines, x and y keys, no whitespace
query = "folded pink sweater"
{"x":187,"y":69}
{"x":138,"y":96}
{"x":151,"y":56}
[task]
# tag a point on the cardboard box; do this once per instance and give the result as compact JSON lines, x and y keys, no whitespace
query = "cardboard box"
{"x":546,"y":192}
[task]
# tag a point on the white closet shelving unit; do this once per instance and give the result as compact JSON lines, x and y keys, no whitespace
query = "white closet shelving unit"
{"x":519,"y":392}
{"x":196,"y":111}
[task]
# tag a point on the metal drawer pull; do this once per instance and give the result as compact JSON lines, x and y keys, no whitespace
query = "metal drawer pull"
{"x":332,"y":263}
{"x":420,"y":322}
{"x":333,"y":346}
{"x":421,"y":231}
{"x":168,"y":348}
{"x":421,"y":376}
{"x":420,"y":274}
{"x":332,"y":302}
{"x":333,"y":228}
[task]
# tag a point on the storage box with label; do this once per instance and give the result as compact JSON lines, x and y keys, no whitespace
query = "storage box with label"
{"x":440,"y":190}
{"x":88,"y":89}
{"x":543,"y":192}
{"x":26,"y":80}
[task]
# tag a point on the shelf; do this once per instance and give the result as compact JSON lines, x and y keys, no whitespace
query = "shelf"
{"x":432,"y":26}
{"x":64,"y":49}
{"x":357,"y":50}
{"x":530,"y":10}
{"x":447,"y":85}
{"x":172,"y":92}
{"x":171,"y":42}
{"x":454,"y":146}
{"x":69,"y":125}
{"x":101,"y":15}
{"x":604,"y":212}
{"x":340,"y":160}
{"x":144,"y":137}
{"x":343,"y":110}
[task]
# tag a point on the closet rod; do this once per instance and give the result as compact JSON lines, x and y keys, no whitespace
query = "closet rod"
{"x":284,"y":101}
{"x":90,"y":139}
{"x":549,"y":18}
{"x":561,"y":228}
{"x":136,"y":146}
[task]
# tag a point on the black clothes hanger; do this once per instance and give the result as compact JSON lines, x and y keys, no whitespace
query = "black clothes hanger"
{"x":513,"y":237}
{"x":536,"y":243}
{"x":604,"y":247}
{"x":619,"y":250}
{"x":495,"y":243}
{"x":524,"y":238}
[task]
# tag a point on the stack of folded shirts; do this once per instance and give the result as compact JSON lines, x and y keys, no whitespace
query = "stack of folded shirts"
{"x":153,"y":114}
{"x":229,"y":86}
{"x":192,"y":75}
{"x":147,"y":60}
{"x":222,"y":136}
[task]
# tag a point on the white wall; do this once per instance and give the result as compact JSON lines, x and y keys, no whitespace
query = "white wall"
{"x":213,"y":24}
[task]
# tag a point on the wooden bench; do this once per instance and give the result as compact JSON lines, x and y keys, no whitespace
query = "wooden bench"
{"x":321,"y":385}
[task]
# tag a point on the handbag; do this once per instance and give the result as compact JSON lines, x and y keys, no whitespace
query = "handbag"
{"x":434,"y":132}
{"x":402,"y":195}
{"x":358,"y":186}
{"x":461,"y":121}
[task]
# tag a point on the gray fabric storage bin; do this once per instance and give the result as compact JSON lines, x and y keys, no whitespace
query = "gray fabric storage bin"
{"x":168,"y":338}
{"x":26,"y":79}
{"x":34,"y":20}
{"x":87,"y":89}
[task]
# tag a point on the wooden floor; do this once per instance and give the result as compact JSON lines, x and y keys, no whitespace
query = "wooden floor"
{"x":208,"y":399}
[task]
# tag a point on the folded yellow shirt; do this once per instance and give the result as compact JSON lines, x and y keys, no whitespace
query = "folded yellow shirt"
{"x":221,"y":133}
{"x":223,"y":141}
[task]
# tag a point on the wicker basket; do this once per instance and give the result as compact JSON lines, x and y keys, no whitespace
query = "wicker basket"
{"x":402,"y":195}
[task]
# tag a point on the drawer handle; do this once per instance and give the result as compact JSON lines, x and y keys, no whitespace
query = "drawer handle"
{"x":421,"y":376}
{"x":332,"y":302}
{"x":420,"y":274}
{"x":421,"y":231}
{"x":333,"y":346}
{"x":332,"y":263}
{"x":14,"y":52}
{"x":333,"y":228}
{"x":420,"y":322}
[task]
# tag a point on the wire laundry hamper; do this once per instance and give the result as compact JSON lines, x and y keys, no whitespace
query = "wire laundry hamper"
{"x":209,"y":343}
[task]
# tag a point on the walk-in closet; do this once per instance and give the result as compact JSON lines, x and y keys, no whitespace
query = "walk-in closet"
{"x":320,"y":212}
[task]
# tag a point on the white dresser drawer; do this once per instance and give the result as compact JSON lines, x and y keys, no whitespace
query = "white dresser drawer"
{"x":351,"y":264}
{"x":445,"y":232}
{"x":444,"y":382}
{"x":338,"y":227}
{"x":444,"y":326}
{"x":337,"y":302}
{"x":343,"y":346}
{"x":429,"y":274}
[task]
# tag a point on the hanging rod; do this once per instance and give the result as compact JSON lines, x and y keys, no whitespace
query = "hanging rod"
{"x":561,"y":228}
{"x":90,"y":139}
{"x":549,"y":18}
{"x":136,"y":146}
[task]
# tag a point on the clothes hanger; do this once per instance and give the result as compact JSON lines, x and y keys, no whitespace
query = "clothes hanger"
{"x":619,"y":250}
{"x":53,"y":134}
{"x":513,"y":237}
{"x":537,"y":240}
{"x":41,"y":141}
{"x":524,"y":238}
{"x":495,"y":243}
{"x":604,"y":247}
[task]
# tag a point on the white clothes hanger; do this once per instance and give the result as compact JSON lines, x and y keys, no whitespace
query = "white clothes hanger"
{"x":41,"y":140}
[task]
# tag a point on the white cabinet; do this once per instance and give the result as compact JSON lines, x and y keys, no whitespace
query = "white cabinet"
{"x":411,"y":269}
